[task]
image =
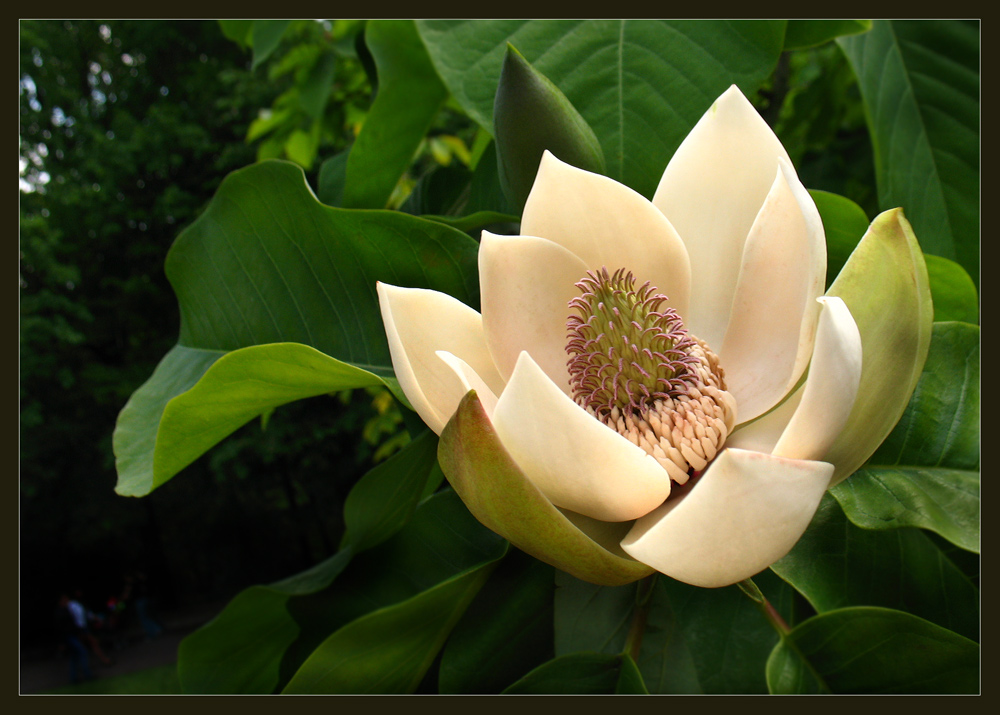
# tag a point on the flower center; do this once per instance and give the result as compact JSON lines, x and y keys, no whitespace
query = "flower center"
{"x":634,"y":367}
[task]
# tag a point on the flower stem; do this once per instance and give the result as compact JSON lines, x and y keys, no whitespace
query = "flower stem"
{"x":748,"y":587}
{"x":643,"y":601}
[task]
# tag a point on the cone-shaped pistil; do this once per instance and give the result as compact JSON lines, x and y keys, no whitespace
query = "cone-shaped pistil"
{"x":635,"y":368}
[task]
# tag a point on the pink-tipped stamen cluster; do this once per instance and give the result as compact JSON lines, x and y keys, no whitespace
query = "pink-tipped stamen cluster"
{"x":626,"y":349}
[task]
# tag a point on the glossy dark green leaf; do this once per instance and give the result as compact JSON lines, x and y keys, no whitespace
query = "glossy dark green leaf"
{"x":955,"y":296}
{"x":809,"y":33}
{"x":441,"y":541}
{"x":237,"y":30}
{"x":409,"y":96}
{"x":474,"y":222}
{"x":242,"y":649}
{"x":385,"y":498}
{"x":266,"y":632}
{"x":506,"y":631}
{"x":640,"y":84}
{"x":531,"y":116}
{"x":844,"y":223}
{"x":695,"y":641}
{"x":265,"y":36}
{"x":920,"y":83}
{"x":134,"y":438}
{"x":389,"y":650}
{"x":873,"y":650}
{"x":314,"y":92}
{"x":267,"y":263}
{"x":332,"y":177}
{"x":837,"y":564}
{"x":582,"y":674}
{"x":236,"y":388}
{"x":926,"y":473}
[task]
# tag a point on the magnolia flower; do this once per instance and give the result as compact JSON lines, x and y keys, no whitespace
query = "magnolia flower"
{"x":666,"y":378}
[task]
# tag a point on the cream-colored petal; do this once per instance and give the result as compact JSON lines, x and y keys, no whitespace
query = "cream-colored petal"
{"x":419,"y":322}
{"x":526,"y":284}
{"x":577,"y":462}
{"x":466,"y":379}
{"x":770,"y":335}
{"x":711,"y":191}
{"x":763,"y":433}
{"x":607,"y":225}
{"x":830,"y":389}
{"x":745,"y":512}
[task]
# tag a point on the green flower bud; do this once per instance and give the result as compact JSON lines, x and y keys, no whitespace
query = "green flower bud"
{"x":531,"y":115}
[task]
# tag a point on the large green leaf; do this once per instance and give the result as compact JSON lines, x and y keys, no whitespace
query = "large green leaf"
{"x":241,"y":650}
{"x":441,"y":541}
{"x":236,"y":388}
{"x":385,"y":498}
{"x":389,"y":650}
{"x":873,"y":650}
{"x":582,"y":674}
{"x":844,"y":223}
{"x":926,"y":473}
{"x":409,"y":96}
{"x":809,"y":33}
{"x":837,"y":564}
{"x":920,"y":83}
{"x":267,"y":263}
{"x":955,"y":296}
{"x":265,"y":36}
{"x":506,"y":632}
{"x":640,"y":84}
{"x":695,"y":641}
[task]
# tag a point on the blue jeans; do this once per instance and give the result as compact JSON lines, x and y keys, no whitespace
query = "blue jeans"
{"x":79,"y":660}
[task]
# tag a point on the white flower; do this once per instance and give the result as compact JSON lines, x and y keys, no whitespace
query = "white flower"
{"x":722,"y":471}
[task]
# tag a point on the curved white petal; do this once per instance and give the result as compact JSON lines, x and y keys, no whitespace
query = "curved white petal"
{"x":711,"y":191}
{"x":607,"y":225}
{"x":744,"y":513}
{"x":763,"y":433}
{"x":419,"y":322}
{"x":831,"y":387}
{"x":577,"y":462}
{"x":466,"y":379}
{"x":526,"y":284}
{"x":774,"y":312}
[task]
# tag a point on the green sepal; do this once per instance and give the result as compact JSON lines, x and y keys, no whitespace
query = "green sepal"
{"x":497,"y":493}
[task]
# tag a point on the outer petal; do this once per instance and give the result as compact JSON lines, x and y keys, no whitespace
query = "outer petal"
{"x":746,"y":512}
{"x":885,"y":285}
{"x":496,"y":491}
{"x":577,"y":462}
{"x":830,"y":389}
{"x":608,"y":225}
{"x":711,"y":191}
{"x":770,"y":335}
{"x":419,"y":322}
{"x":526,"y":283}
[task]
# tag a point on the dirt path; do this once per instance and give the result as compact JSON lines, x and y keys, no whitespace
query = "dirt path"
{"x":44,"y":674}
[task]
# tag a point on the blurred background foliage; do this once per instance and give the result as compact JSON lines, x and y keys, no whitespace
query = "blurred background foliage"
{"x":127,"y":128}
